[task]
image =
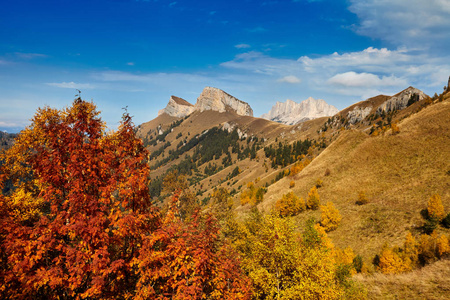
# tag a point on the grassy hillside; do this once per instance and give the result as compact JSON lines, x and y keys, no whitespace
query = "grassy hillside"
{"x":432,"y":282}
{"x":398,"y":174}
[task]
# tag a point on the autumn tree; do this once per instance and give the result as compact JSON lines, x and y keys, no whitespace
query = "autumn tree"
{"x":289,"y":205}
{"x":221,"y":205}
{"x":443,"y":246}
{"x":252,"y":194}
{"x":187,"y":202}
{"x":184,"y":259}
{"x":410,"y":248}
{"x":435,"y":208}
{"x":390,"y":262}
{"x":79,"y":207}
{"x":330,"y":217}
{"x":313,"y":199}
{"x":284,"y":265}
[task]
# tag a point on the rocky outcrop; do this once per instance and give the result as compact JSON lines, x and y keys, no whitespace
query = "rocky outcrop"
{"x":401,"y":100}
{"x":217,"y":100}
{"x":357,"y":114}
{"x":230,"y":127}
{"x":177,"y":107}
{"x":291,"y":112}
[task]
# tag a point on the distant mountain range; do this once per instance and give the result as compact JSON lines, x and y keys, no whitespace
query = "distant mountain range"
{"x":291,"y":113}
{"x":214,"y":99}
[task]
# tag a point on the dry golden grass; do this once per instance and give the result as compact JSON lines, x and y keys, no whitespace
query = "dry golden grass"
{"x":431,"y":282}
{"x":398,"y":174}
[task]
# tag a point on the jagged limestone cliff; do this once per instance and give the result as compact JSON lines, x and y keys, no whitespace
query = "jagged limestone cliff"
{"x":215,"y":99}
{"x":177,"y":107}
{"x":291,"y":113}
{"x":400,"y":100}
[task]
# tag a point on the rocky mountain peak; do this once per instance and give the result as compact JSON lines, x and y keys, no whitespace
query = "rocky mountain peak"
{"x":177,"y":107}
{"x":215,"y":99}
{"x":291,"y":112}
{"x":401,"y":100}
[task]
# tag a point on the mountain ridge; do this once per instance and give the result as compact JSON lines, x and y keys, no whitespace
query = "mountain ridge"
{"x":291,"y":112}
{"x":211,"y":98}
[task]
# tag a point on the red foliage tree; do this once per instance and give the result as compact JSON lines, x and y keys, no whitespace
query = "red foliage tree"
{"x":187,"y":260}
{"x":77,"y":220}
{"x":95,"y":186}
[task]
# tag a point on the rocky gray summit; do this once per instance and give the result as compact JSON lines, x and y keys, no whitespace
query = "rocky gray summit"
{"x":400,"y":100}
{"x":210,"y":99}
{"x":215,"y":99}
{"x":177,"y":107}
{"x":291,"y":112}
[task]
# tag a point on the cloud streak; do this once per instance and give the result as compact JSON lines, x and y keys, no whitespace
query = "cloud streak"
{"x":352,"y":79}
{"x":242,"y":46}
{"x":71,"y":85}
{"x":22,"y":55}
{"x":414,"y":23}
{"x":290,"y":79}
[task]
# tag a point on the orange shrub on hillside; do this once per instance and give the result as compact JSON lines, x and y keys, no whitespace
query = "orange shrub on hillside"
{"x":289,"y":205}
{"x":391,"y":262}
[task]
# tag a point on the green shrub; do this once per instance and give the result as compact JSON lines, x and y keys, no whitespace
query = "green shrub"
{"x":446,"y":221}
{"x":358,"y":263}
{"x":430,"y":225}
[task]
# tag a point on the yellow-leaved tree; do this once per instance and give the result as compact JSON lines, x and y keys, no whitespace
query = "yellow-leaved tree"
{"x":313,"y":200}
{"x":443,"y":246}
{"x":252,"y":194}
{"x":391,"y":262}
{"x":435,"y":208}
{"x":289,"y":205}
{"x":284,"y":265}
{"x":330,"y":217}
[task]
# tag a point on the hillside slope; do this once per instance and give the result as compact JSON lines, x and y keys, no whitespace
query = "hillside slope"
{"x":398,"y":173}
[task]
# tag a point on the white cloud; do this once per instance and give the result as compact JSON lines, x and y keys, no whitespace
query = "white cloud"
{"x":130,"y":63}
{"x":370,"y":59}
{"x":413,"y":23}
{"x":242,"y":46}
{"x":259,"y":63}
{"x":352,"y":79}
{"x":290,"y":79}
{"x":362,"y":74}
{"x":71,"y":85}
{"x":150,"y":78}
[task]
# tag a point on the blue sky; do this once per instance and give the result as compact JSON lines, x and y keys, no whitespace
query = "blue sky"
{"x":137,"y":53}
